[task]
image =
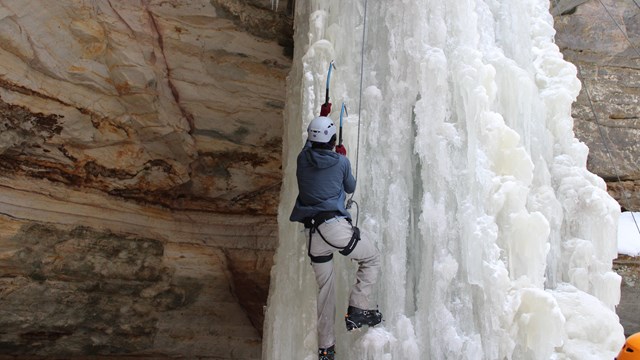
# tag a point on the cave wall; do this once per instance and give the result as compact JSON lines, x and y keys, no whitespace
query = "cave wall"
{"x":140,"y":147}
{"x":167,"y":102}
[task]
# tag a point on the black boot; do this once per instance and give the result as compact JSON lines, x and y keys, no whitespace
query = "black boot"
{"x":327,"y":354}
{"x":355,"y":318}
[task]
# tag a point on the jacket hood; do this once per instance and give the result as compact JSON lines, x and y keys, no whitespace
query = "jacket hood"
{"x":321,"y":159}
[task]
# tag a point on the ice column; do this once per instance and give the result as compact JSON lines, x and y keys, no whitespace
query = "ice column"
{"x":496,"y":241}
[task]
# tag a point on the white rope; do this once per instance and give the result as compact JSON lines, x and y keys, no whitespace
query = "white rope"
{"x":596,"y":117}
{"x":364,"y":27}
{"x":604,"y":141}
{"x":620,"y":28}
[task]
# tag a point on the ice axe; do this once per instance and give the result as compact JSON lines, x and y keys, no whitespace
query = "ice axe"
{"x":343,"y":111}
{"x":325,"y":109}
{"x":331,"y":66}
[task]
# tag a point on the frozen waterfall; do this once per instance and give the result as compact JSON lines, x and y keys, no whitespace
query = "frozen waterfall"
{"x":497,"y":242}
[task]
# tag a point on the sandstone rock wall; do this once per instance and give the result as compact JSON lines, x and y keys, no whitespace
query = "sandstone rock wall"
{"x":167,"y":102}
{"x":95,"y":275}
{"x":140,"y":157}
{"x":602,"y":38}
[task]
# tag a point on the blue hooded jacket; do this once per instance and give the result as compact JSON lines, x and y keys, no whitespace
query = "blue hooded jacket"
{"x":324,"y":178}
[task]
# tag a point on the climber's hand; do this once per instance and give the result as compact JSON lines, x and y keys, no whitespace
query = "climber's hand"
{"x":325,"y":109}
{"x":340,"y":149}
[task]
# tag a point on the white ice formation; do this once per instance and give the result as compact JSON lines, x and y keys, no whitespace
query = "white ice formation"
{"x":497,"y":242}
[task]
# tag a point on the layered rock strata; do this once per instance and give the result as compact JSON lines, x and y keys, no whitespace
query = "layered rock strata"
{"x":163,"y":102}
{"x":100,"y":276}
{"x":139,"y":175}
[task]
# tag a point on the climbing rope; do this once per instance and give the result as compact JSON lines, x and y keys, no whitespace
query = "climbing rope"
{"x":604,"y":141}
{"x":620,"y":28}
{"x":596,"y":116}
{"x":364,"y":27}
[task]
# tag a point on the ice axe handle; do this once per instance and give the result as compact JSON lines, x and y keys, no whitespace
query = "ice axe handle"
{"x":343,"y":111}
{"x":331,"y":66}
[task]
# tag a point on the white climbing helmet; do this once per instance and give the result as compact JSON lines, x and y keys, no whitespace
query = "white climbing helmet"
{"x":321,"y":129}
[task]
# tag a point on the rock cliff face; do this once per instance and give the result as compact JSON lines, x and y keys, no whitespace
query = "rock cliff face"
{"x":602,"y":38}
{"x":140,"y":162}
{"x":167,"y":102}
{"x":140,"y":172}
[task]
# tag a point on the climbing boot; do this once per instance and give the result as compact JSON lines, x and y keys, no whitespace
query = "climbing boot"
{"x":327,"y":354}
{"x":355,"y":318}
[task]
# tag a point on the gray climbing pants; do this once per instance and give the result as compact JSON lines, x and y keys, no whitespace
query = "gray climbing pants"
{"x":338,"y":232}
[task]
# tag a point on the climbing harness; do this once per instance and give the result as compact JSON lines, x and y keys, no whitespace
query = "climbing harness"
{"x":313,"y":225}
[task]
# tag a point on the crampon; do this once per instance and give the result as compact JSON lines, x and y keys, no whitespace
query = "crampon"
{"x":356,"y":318}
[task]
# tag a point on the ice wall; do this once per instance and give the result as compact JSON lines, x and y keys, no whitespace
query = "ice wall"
{"x":497,"y":242}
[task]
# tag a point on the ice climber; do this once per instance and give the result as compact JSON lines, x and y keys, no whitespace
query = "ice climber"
{"x":324,"y":179}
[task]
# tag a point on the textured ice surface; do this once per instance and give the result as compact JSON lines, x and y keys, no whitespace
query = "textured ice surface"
{"x":497,"y":242}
